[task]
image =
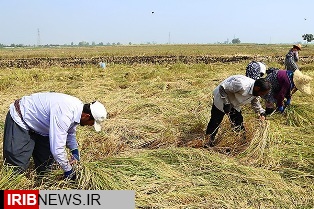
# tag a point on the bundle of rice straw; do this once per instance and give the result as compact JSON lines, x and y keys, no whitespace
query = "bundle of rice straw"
{"x":255,"y":150}
{"x":101,"y":175}
{"x":299,"y":115}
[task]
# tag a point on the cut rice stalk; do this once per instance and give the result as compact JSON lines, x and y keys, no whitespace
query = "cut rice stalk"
{"x":255,"y":150}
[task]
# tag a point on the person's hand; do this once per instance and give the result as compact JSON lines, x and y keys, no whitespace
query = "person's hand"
{"x":262,"y":116}
{"x":281,"y":109}
{"x":227,"y":108}
{"x":69,"y":175}
{"x":75,"y":156}
{"x":287,"y":103}
{"x":269,"y":111}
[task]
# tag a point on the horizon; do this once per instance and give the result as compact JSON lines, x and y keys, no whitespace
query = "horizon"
{"x":157,"y":22}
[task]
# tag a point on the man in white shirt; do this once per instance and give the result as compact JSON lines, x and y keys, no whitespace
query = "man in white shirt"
{"x":229,"y":96}
{"x":42,"y":125}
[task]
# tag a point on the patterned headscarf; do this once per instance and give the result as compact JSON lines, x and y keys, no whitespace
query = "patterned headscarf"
{"x":253,"y":70}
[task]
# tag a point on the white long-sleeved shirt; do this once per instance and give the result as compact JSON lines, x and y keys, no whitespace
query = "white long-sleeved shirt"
{"x":238,"y":91}
{"x":55,"y":115}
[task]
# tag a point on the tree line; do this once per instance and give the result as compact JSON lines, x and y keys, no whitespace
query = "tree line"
{"x":306,"y":37}
{"x":82,"y":43}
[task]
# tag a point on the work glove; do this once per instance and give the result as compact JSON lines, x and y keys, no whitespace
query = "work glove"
{"x":69,"y":175}
{"x":281,"y":109}
{"x":227,"y":108}
{"x":75,"y":154}
{"x":287,"y":103}
{"x":269,"y":111}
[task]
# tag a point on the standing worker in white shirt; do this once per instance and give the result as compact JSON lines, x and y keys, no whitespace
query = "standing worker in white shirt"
{"x":42,"y":125}
{"x":229,"y":96}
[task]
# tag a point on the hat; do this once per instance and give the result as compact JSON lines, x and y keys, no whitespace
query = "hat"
{"x":298,"y":46}
{"x":302,"y":82}
{"x":99,"y":113}
{"x":262,"y":67}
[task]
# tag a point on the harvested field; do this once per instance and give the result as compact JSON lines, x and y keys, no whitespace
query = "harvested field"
{"x":159,"y":106}
{"x":28,"y":63}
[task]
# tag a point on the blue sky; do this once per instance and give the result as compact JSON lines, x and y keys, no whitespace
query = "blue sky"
{"x":177,"y":21}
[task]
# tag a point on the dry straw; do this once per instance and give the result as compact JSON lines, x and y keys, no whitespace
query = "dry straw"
{"x":12,"y":180}
{"x":159,"y":107}
{"x":254,"y":153}
{"x":299,"y":115}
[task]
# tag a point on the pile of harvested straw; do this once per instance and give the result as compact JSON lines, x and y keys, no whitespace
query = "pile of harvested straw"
{"x":299,"y":115}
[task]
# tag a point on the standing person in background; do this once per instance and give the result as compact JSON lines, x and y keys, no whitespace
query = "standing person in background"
{"x":229,"y":96}
{"x":42,"y":125}
{"x":292,"y":58}
{"x":284,"y":83}
{"x":255,"y":70}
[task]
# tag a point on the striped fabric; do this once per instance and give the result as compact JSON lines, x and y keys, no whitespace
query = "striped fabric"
{"x":275,"y":87}
{"x":291,"y":60}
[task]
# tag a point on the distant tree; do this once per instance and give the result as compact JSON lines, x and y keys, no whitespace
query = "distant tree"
{"x":236,"y":41}
{"x":118,"y":43}
{"x":108,"y":44}
{"x":83,"y":43}
{"x":72,"y":44}
{"x":93,"y":43}
{"x":308,"y":37}
{"x":130,"y":43}
{"x":101,"y":44}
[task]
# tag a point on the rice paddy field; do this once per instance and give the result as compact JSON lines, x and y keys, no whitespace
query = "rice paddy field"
{"x":159,"y":100}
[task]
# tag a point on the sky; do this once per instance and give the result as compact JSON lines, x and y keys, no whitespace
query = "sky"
{"x":30,"y":22}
